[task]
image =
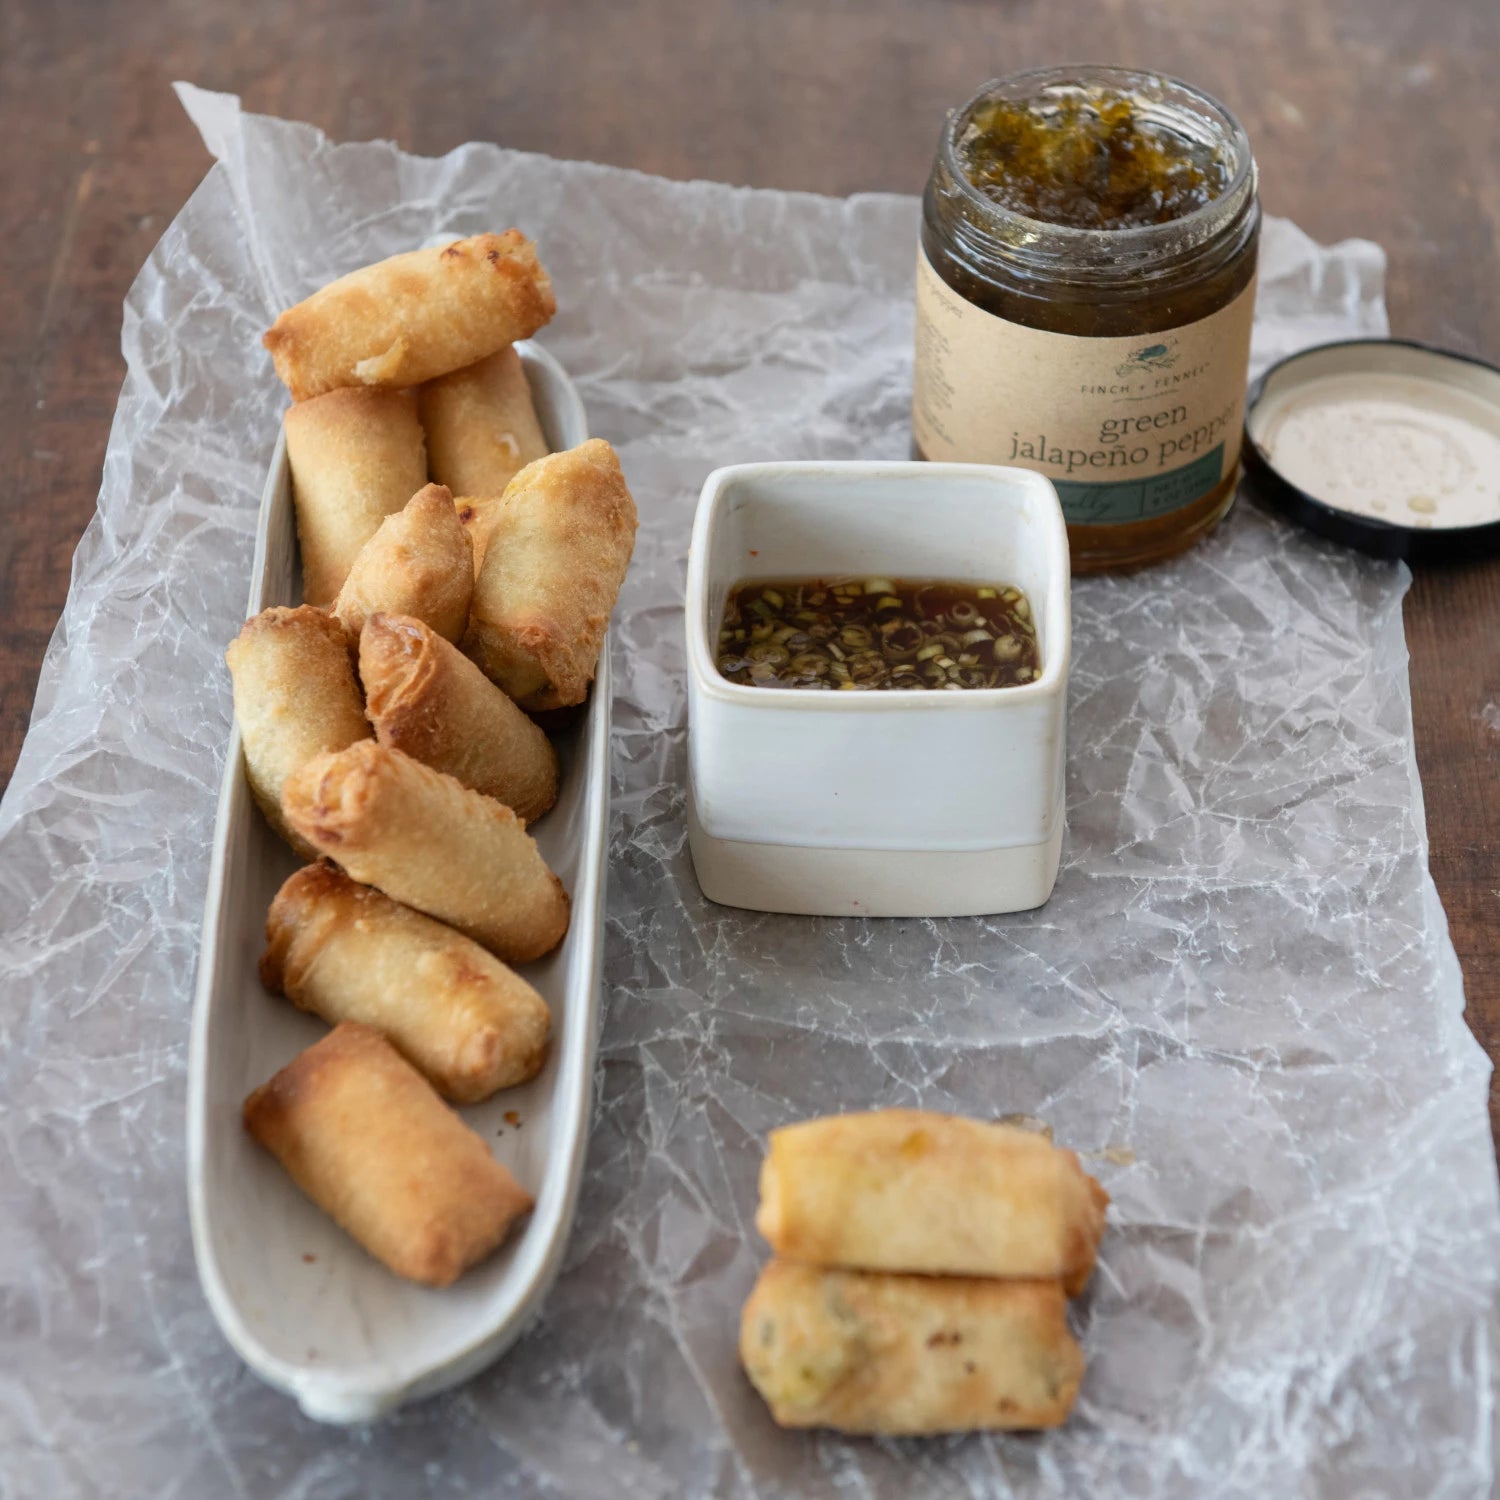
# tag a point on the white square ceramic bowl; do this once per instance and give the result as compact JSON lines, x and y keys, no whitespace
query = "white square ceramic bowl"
{"x":914,"y":804}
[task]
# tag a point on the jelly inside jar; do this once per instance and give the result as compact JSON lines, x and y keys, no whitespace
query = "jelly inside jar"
{"x":1088,"y":159}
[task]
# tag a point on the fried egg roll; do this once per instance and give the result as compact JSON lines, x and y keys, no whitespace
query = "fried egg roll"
{"x":365,"y":1137}
{"x":346,"y":952}
{"x":481,"y":426}
{"x":479,"y":514}
{"x":554,"y":564}
{"x":356,"y":457}
{"x":427,"y":698}
{"x":420,"y":562}
{"x":873,"y":1352}
{"x":427,"y":841}
{"x":413,"y":317}
{"x":908,"y":1190}
{"x":294,"y":697}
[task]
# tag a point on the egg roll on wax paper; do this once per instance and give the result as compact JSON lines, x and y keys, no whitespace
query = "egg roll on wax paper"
{"x":427,"y":841}
{"x":908,"y":1190}
{"x":419,"y":562}
{"x":413,"y":317}
{"x":295,"y":696}
{"x":481,"y":426}
{"x":356,"y":457}
{"x":427,"y":698}
{"x":556,"y":558}
{"x":362,"y":1133}
{"x":348,"y":953}
{"x":873,"y":1352}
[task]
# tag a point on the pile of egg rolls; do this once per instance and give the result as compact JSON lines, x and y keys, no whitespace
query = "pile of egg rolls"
{"x":923,"y":1268}
{"x":457,"y":579}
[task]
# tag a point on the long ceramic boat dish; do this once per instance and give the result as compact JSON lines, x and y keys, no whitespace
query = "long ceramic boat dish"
{"x":299,"y":1300}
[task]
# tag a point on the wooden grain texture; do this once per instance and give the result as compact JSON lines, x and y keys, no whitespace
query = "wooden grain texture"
{"x":1369,"y":117}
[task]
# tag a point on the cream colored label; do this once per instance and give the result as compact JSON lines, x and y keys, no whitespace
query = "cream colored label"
{"x":1126,"y":428}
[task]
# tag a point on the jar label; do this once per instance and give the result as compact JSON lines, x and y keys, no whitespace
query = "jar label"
{"x":1126,"y":428}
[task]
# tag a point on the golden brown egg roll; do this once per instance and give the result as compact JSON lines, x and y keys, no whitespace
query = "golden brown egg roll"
{"x":365,"y":1137}
{"x":413,"y":317}
{"x":420,"y":562}
{"x":429,"y":842}
{"x":873,"y":1352}
{"x":479,"y":514}
{"x":348,"y":953}
{"x":554,"y":564}
{"x":295,"y":696}
{"x":356,"y":457}
{"x":908,"y":1190}
{"x":427,"y":698}
{"x":481,"y":426}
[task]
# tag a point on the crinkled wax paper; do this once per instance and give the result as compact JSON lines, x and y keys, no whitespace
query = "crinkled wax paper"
{"x":1241,"y":1001}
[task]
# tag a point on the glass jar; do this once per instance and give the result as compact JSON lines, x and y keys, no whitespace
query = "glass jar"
{"x":1113,"y":360}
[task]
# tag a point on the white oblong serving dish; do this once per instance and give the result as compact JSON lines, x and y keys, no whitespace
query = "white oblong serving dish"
{"x":304,"y":1306}
{"x":911,"y":804}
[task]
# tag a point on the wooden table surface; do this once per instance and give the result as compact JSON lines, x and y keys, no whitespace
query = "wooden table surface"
{"x":1369,"y":117}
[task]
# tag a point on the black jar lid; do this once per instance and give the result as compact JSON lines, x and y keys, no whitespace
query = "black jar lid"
{"x":1385,"y":445}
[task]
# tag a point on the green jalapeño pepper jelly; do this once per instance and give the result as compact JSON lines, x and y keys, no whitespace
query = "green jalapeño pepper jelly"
{"x":1084,"y":294}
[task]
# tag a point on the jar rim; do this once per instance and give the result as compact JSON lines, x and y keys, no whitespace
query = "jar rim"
{"x":1140,"y":238}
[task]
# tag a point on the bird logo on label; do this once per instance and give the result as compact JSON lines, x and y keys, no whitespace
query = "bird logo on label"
{"x":1150,"y":357}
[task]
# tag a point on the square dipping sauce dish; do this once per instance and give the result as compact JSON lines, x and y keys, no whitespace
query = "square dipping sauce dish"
{"x":921,"y":803}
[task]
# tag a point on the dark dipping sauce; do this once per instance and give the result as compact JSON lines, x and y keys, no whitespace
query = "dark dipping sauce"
{"x":856,"y":634}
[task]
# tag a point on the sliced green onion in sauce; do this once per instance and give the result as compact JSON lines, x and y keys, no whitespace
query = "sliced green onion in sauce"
{"x":863,"y":634}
